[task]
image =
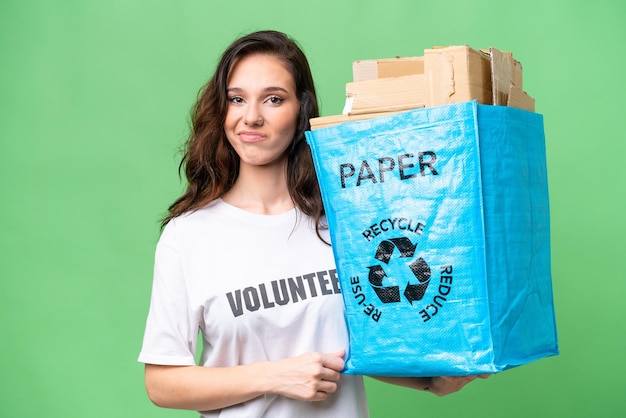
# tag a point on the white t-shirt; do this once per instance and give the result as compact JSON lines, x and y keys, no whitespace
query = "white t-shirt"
{"x":259,"y":287}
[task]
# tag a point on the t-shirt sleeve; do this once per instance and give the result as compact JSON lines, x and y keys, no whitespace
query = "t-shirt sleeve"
{"x":171,"y":328}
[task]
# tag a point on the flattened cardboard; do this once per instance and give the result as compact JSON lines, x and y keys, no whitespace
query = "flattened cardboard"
{"x":384,"y":95}
{"x":363,"y":70}
{"x":520,"y":99}
{"x":326,"y":121}
{"x":501,"y":76}
{"x":517,"y":74}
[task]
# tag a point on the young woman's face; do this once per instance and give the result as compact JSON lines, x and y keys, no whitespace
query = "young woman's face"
{"x":262,"y":110}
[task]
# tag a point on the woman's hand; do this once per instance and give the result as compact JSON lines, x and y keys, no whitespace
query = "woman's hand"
{"x":440,"y":386}
{"x":445,"y":385}
{"x":310,"y":377}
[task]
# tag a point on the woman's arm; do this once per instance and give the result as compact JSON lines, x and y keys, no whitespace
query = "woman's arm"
{"x":440,"y":386}
{"x":311,"y":377}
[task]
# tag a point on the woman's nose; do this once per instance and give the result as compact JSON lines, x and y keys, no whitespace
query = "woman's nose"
{"x":253,"y":116}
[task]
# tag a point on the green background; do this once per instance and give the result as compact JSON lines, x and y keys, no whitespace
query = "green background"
{"x":95,"y":102}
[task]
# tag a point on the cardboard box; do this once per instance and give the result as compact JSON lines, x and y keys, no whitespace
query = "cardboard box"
{"x":384,"y":95}
{"x":457,"y":74}
{"x":363,"y":70}
{"x":444,"y":75}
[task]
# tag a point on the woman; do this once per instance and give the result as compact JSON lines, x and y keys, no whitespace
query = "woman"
{"x":244,"y":257}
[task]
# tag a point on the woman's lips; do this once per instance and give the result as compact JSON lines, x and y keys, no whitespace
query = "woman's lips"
{"x":251,"y":136}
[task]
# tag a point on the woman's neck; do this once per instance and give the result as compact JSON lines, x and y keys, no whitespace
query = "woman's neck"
{"x":261,"y":190}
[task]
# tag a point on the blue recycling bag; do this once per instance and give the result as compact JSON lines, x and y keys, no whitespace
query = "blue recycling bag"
{"x":439,"y":222}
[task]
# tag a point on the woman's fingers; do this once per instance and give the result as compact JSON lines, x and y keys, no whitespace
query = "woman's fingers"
{"x":311,"y":376}
{"x":446,"y":385}
{"x":334,"y":361}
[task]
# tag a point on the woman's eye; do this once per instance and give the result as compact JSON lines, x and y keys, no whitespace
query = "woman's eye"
{"x":235,"y":99}
{"x":275,"y":100}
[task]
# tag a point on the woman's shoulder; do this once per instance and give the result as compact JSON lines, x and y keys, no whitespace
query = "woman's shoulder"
{"x":193,"y":220}
{"x":194,"y":214}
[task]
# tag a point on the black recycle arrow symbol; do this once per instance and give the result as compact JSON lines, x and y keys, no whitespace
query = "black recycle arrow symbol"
{"x":385,"y":249}
{"x":421,"y":271}
{"x":419,"y":268}
{"x":386,"y":294}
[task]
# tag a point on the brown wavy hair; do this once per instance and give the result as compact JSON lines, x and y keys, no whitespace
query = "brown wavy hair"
{"x":210,"y":163}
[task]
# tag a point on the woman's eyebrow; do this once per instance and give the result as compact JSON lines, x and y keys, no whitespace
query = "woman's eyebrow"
{"x":269,"y":89}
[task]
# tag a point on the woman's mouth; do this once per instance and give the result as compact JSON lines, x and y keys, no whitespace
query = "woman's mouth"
{"x":251,"y":136}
